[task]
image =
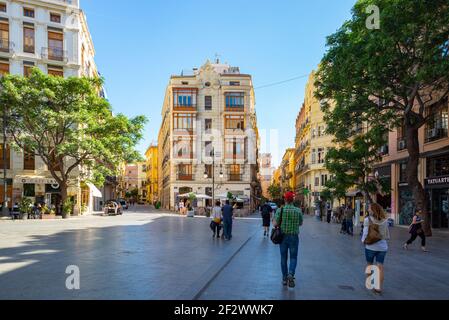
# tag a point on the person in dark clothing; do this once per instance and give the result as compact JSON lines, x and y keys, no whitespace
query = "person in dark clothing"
{"x":266,"y":211}
{"x":329,"y":212}
{"x":416,"y":230}
{"x":228,"y":215}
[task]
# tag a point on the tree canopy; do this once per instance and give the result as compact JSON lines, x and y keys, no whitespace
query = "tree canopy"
{"x":69,"y":126}
{"x":390,"y":76}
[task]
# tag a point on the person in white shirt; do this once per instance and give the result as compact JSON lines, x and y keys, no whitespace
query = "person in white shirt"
{"x":217,"y":218}
{"x":376,"y":248}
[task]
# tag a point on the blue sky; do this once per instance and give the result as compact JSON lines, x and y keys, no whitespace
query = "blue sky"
{"x":140,"y":43}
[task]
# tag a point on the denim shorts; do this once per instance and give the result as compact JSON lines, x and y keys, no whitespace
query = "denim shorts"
{"x":378,"y":255}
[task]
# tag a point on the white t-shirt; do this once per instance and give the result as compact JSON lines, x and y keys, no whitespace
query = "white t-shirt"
{"x":216,"y":213}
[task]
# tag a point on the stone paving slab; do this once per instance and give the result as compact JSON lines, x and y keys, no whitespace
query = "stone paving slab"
{"x":332,"y":267}
{"x":136,"y":256}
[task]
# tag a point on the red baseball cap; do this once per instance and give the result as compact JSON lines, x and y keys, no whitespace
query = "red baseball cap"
{"x":289,"y":196}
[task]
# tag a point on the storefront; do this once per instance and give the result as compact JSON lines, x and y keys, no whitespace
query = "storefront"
{"x":437,"y":186}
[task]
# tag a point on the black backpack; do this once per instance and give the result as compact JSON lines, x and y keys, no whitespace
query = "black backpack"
{"x":277,"y":236}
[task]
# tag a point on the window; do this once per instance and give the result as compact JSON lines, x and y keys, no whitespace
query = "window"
{"x":313,"y":156}
{"x":403,"y":172}
{"x":27,"y":12}
{"x":2,"y":7}
{"x":402,"y":142}
{"x":27,"y":68}
{"x":183,"y":121}
{"x":234,"y":83}
{"x":29,"y":190}
{"x":55,"y":46}
{"x":317,"y":181}
{"x":208,"y":103}
{"x":235,"y":149}
{"x":184,"y":98}
{"x":208,"y":147}
{"x":321,"y":156}
{"x":438,"y":166}
{"x":28,"y":38}
{"x":235,"y":122}
{"x":56,"y":71}
{"x":4,"y":68}
{"x":4,"y":36}
{"x":185,"y":172}
{"x":29,"y":162}
{"x":208,"y":124}
{"x":235,"y":99}
{"x":208,"y":170}
{"x":437,"y":127}
{"x":183,"y":149}
{"x":323,"y":179}
{"x":235,"y":172}
{"x":55,"y":17}
{"x":8,"y":157}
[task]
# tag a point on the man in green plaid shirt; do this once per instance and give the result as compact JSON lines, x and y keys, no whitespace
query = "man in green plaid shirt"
{"x":292,"y":219}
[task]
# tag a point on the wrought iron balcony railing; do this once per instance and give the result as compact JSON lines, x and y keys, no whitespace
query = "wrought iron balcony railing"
{"x":6,"y":45}
{"x":55,"y":54}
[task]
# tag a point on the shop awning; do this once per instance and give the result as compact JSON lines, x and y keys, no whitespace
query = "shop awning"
{"x":34,"y":180}
{"x":95,"y":192}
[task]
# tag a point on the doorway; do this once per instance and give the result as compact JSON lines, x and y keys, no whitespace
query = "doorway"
{"x":440,"y":209}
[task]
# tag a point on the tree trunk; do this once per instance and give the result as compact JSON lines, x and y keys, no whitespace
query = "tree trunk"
{"x":419,"y":194}
{"x":64,"y":197}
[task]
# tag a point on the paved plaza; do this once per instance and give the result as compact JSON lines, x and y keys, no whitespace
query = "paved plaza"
{"x":148,"y":254}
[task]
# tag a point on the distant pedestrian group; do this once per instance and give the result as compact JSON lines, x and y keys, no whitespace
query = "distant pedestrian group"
{"x":222,"y":219}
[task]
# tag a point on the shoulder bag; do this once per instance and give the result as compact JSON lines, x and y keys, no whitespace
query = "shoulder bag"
{"x":374,"y":235}
{"x":277,"y":236}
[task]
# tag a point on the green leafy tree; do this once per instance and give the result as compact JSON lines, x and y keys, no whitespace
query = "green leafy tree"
{"x":275,"y":191}
{"x":69,"y":126}
{"x":389,"y":76}
{"x":352,"y":164}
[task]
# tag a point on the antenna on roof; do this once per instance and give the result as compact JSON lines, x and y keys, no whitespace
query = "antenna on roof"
{"x":217,"y":58}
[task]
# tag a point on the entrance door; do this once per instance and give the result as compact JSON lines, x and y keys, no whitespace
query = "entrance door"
{"x":440,"y":208}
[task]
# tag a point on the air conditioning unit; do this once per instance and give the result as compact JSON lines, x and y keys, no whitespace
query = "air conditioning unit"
{"x":402,"y":145}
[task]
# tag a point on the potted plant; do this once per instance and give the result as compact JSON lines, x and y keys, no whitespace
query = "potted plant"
{"x":190,"y":209}
{"x":25,"y":207}
{"x":67,"y":208}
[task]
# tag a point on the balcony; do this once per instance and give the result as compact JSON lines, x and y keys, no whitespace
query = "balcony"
{"x":184,"y":177}
{"x":6,"y":46}
{"x":54,"y":54}
{"x":235,"y":177}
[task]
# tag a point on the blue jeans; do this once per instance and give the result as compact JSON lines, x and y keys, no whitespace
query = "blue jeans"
{"x":289,"y":244}
{"x":227,"y":229}
{"x":349,"y":226}
{"x":379,"y":256}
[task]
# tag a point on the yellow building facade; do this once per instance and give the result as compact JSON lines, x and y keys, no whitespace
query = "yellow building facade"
{"x":152,"y":174}
{"x":288,"y":176}
{"x":311,"y":145}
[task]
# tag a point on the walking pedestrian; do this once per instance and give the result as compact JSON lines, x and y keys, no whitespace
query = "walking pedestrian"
{"x":416,"y":230}
{"x":375,"y":236}
{"x":266,"y":211}
{"x":228,"y":216}
{"x":349,"y":217}
{"x":289,"y":218}
{"x":217,"y":218}
{"x":329,"y":212}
